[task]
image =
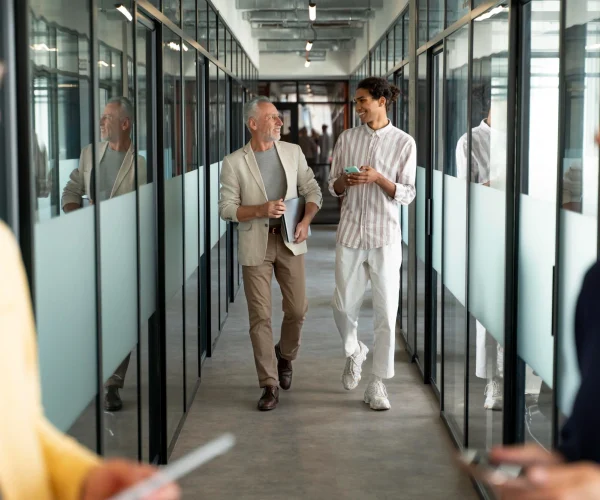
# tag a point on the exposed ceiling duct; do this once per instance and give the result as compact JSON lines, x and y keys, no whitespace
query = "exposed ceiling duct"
{"x":299,"y":45}
{"x":290,"y":16}
{"x":315,"y":55}
{"x":280,"y":5}
{"x":307,"y":34}
{"x":285,"y":26}
{"x":302,"y":25}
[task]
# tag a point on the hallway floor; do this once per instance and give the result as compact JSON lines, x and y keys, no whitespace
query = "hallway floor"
{"x":322,"y":442}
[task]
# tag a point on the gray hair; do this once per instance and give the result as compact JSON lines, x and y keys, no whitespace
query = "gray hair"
{"x":127,"y":110}
{"x":251,"y":105}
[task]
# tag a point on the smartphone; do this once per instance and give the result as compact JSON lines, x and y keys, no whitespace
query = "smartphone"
{"x":478,"y":464}
{"x":352,"y":170}
{"x":178,"y":468}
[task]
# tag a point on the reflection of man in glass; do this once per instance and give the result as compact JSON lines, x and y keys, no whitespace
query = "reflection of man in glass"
{"x":116,"y":170}
{"x":116,"y":176}
{"x":481,"y":139}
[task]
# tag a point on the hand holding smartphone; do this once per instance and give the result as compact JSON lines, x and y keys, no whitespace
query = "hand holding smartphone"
{"x":477,"y":463}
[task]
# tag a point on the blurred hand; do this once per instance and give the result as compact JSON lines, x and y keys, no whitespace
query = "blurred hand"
{"x":524,"y":455}
{"x":273,"y":209}
{"x":114,"y":476}
{"x":577,"y":481}
{"x":301,"y":232}
{"x":597,"y":138}
{"x":367,"y":175}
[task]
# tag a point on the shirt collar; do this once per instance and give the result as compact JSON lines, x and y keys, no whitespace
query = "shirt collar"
{"x":381,"y":132}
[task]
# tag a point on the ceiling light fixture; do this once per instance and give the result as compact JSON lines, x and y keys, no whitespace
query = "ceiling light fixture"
{"x":309,"y":45}
{"x":495,"y":11}
{"x":124,"y":10}
{"x":312,"y":11}
{"x":307,"y":63}
{"x":42,"y":47}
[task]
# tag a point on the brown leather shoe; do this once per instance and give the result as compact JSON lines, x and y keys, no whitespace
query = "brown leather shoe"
{"x":284,"y":370}
{"x":269,"y":399}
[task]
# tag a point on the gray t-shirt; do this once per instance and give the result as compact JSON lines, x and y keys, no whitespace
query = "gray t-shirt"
{"x":273,"y":176}
{"x":109,"y":168}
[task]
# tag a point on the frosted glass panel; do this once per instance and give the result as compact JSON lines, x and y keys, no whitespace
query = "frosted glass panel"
{"x":486,"y":271}
{"x":438,"y":179}
{"x":65,"y":303}
{"x":191,"y":222}
{"x":173,"y":236}
{"x":202,"y":209}
{"x":118,"y":243}
{"x":214,"y":204}
{"x":147,"y":252}
{"x":536,"y":259}
{"x":455,"y":236}
{"x":405,"y":231}
{"x":222,"y":223}
{"x":420,"y":187}
{"x":578,"y":243}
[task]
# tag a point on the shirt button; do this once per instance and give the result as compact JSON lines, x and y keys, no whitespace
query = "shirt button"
{"x":266,"y":225}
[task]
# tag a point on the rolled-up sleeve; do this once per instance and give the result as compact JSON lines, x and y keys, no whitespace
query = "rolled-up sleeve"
{"x":405,"y":181}
{"x":307,"y":185}
{"x":230,"y":199}
{"x":336,"y":167}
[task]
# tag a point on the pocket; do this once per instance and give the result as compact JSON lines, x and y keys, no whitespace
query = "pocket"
{"x":244,"y":226}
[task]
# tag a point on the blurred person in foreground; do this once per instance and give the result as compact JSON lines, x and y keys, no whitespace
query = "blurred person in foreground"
{"x":37,"y":461}
{"x":573,"y":470}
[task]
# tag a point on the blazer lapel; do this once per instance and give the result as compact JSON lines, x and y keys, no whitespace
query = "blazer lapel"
{"x":124,"y":170}
{"x":291,"y":174}
{"x":253,"y":166}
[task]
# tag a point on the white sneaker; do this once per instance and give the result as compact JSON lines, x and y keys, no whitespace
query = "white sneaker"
{"x":352,"y":370}
{"x":376,"y":396}
{"x":493,"y":396}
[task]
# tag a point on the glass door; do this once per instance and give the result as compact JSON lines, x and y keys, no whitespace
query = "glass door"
{"x":422,"y":205}
{"x":435,"y":215}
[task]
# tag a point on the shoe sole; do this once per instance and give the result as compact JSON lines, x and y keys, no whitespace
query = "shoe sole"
{"x":351,"y":388}
{"x":113,"y":408}
{"x":368,"y":401}
{"x":269,"y":409}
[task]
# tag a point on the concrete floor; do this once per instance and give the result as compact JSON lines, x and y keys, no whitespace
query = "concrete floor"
{"x":321,"y":441}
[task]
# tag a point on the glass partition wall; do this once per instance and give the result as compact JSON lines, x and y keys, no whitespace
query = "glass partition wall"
{"x":124,"y":204}
{"x":505,"y":222}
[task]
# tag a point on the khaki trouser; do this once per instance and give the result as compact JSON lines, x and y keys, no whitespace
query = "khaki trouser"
{"x":289,"y":272}
{"x":117,"y":379}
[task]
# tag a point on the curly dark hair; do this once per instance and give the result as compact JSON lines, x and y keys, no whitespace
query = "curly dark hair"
{"x":380,"y":87}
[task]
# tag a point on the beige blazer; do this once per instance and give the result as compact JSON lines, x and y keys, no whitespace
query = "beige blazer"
{"x":242,"y":184}
{"x":79,"y":180}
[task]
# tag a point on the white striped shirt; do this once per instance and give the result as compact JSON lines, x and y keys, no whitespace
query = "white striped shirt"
{"x":370,"y":218}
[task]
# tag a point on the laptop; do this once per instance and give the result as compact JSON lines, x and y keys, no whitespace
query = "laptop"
{"x":294,"y":213}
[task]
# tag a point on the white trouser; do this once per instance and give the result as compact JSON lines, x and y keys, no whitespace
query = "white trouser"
{"x":353,"y":269}
{"x":481,"y":354}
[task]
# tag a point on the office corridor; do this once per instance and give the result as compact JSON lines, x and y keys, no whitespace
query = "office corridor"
{"x":321,"y":441}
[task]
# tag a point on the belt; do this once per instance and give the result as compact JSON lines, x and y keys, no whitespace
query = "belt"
{"x":275,"y":229}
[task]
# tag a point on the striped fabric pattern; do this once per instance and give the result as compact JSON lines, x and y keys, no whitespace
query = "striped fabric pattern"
{"x":370,"y":218}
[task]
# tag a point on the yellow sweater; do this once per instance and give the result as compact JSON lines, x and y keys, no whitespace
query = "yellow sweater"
{"x":37,"y":462}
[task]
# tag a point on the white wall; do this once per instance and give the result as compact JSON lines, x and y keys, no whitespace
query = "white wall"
{"x":376,"y":27}
{"x":292,"y":66}
{"x":239,"y":27}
